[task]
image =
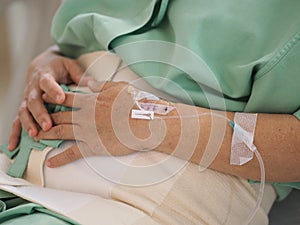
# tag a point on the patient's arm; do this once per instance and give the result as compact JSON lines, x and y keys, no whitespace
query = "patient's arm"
{"x":276,"y":136}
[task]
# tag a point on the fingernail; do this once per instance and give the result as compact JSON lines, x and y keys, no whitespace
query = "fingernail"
{"x":44,"y":125}
{"x":30,"y":132}
{"x":48,"y":163}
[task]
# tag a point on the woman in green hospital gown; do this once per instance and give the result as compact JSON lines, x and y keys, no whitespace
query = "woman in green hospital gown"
{"x":247,"y":57}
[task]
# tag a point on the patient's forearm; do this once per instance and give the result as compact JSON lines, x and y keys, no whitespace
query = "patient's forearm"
{"x":276,"y":138}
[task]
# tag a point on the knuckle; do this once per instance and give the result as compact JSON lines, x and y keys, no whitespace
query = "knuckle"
{"x":70,"y":155}
{"x":38,"y":71}
{"x":32,"y":97}
{"x":36,"y":74}
{"x":16,"y":122}
{"x":68,"y":63}
{"x":59,"y":132}
{"x":45,"y":79}
{"x":22,"y":110}
{"x":59,"y":114}
{"x":57,"y":117}
{"x":39,"y":116}
{"x":30,"y":101}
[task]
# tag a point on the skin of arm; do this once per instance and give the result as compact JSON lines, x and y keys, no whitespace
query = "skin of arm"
{"x":276,"y":138}
{"x":276,"y":135}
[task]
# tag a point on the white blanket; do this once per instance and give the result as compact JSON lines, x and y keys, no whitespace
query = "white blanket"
{"x":97,"y":190}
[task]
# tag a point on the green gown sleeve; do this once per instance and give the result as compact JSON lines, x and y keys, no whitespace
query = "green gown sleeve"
{"x":22,"y":153}
{"x":15,"y":211}
{"x":252,"y":48}
{"x":101,"y":22}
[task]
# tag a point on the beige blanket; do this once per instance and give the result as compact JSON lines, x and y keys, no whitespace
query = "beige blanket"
{"x":123,"y":190}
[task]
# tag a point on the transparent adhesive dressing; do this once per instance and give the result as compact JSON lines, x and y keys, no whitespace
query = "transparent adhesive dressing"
{"x":244,"y":127}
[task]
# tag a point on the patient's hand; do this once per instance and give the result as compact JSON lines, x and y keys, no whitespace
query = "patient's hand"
{"x":44,"y":75}
{"x":98,"y":124}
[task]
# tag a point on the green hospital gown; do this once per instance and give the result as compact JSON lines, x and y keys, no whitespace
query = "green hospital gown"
{"x":252,"y":50}
{"x":15,"y":210}
{"x":251,"y":47}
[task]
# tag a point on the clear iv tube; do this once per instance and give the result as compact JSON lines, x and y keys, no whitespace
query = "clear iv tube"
{"x":261,"y":188}
{"x":257,"y":154}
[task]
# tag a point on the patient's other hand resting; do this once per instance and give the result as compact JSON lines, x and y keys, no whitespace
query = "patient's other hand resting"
{"x":44,"y":75}
{"x":91,"y":123}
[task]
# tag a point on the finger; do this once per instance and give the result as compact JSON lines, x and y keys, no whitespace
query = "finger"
{"x":37,"y":109}
{"x":69,"y":155}
{"x":15,"y":134}
{"x":60,"y":132}
{"x":63,"y":117}
{"x":76,"y":72}
{"x":76,"y":100}
{"x":52,"y":88}
{"x":27,"y":120}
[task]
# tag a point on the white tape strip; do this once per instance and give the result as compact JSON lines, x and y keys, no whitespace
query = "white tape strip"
{"x":156,"y":108}
{"x":242,"y":146}
{"x":147,"y":109}
{"x":142,"y":114}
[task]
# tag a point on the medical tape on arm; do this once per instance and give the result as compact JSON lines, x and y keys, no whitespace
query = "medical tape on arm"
{"x":150,"y":107}
{"x":242,"y":146}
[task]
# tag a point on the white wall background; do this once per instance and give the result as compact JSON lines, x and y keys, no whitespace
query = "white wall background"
{"x":24,"y":33}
